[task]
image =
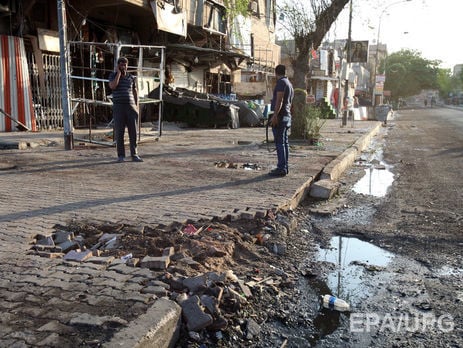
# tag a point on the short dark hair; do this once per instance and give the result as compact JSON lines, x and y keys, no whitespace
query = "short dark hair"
{"x":122,"y":60}
{"x":280,"y":70}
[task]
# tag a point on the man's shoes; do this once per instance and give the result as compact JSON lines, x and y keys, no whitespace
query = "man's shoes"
{"x":120,"y":159}
{"x":277,"y":172}
{"x":136,"y":158}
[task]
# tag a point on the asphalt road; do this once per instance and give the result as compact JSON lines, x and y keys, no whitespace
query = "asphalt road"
{"x":417,"y":299}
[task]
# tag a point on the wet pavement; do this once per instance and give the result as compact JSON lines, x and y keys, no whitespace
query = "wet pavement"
{"x":187,"y":175}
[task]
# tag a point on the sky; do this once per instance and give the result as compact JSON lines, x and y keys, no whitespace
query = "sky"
{"x":431,"y":27}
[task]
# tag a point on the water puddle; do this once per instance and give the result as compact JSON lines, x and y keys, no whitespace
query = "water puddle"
{"x":375,"y":182}
{"x":354,"y":259}
{"x":355,"y":264}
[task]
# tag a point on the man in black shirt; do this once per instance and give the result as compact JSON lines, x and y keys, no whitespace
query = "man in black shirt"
{"x":283,"y":94}
{"x":125,"y":109}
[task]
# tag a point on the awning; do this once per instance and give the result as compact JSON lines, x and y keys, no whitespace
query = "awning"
{"x":189,"y":52}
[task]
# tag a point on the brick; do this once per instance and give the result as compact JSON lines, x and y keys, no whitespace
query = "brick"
{"x":101,"y":260}
{"x":168,"y":251}
{"x":78,"y":256}
{"x":50,"y":255}
{"x":159,"y":263}
{"x":248,"y":215}
{"x":68,"y":245}
{"x":48,"y":240}
{"x":194,"y":284}
{"x":62,"y":236}
{"x":194,"y":316}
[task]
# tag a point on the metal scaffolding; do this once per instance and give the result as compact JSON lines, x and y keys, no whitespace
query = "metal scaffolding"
{"x":90,"y":64}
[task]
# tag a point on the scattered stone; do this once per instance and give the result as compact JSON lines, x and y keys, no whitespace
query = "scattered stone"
{"x":231,"y":276}
{"x":181,"y":298}
{"x":215,"y":291}
{"x":252,"y":329}
{"x":62,"y":236}
{"x":194,"y":284}
{"x":216,"y":277}
{"x":277,"y":248}
{"x":195,"y":318}
{"x":236,"y":296}
{"x":101,"y":260}
{"x":213,"y":251}
{"x":77,"y":255}
{"x":135,"y":229}
{"x":160,"y":262}
{"x":210,"y":303}
{"x":178,"y":256}
{"x":190,"y":262}
{"x":106,"y":237}
{"x":133,"y":262}
{"x":176,"y":283}
{"x":168,"y":251}
{"x":194,"y":336}
{"x":48,"y":240}
{"x":219,"y":323}
{"x":68,"y":245}
{"x":244,"y":289}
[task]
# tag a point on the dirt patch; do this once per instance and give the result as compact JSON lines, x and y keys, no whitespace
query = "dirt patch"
{"x":264,"y":263}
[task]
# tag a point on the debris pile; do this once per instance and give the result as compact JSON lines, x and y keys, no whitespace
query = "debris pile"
{"x":215,"y":271}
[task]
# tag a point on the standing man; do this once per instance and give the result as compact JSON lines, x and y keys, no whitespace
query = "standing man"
{"x":125,"y":109}
{"x":281,"y":119}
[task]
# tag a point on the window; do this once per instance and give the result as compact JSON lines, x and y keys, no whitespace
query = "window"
{"x":213,"y":17}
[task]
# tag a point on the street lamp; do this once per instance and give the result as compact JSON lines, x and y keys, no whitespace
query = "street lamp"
{"x":373,"y":99}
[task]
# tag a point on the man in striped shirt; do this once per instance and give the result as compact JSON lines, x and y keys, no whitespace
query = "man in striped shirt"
{"x":125,"y":109}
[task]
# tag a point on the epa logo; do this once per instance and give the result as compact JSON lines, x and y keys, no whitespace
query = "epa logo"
{"x":368,"y":322}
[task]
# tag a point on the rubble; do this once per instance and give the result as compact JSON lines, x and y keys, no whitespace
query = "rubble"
{"x":204,"y":267}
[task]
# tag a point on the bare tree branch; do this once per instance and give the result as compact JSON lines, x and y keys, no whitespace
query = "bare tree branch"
{"x":308,"y":27}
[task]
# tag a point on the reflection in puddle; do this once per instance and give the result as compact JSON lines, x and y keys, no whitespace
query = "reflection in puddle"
{"x":352,"y":258}
{"x":375,"y":182}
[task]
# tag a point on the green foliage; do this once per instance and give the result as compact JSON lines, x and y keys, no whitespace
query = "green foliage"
{"x":407,"y":73}
{"x":445,"y":82}
{"x":307,"y":120}
{"x":326,"y":108}
{"x":307,"y":23}
{"x":236,"y":7}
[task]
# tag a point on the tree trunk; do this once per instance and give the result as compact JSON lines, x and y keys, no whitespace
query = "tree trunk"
{"x":305,"y":42}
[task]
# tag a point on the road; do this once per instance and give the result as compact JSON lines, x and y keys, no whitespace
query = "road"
{"x":417,"y":299}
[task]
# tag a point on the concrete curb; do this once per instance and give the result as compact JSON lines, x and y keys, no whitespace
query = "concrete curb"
{"x":337,"y":167}
{"x":158,"y":327}
{"x":327,"y":186}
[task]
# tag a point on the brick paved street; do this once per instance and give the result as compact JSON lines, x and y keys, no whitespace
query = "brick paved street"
{"x":51,"y":302}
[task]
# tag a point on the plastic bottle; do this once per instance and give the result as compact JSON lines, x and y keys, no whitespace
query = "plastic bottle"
{"x":332,"y":302}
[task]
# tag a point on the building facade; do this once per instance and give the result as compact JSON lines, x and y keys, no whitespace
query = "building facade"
{"x":205,"y":50}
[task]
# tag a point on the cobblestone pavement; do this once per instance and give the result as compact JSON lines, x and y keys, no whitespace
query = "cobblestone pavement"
{"x":52,"y":302}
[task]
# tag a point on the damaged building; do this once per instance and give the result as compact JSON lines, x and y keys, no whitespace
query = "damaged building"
{"x":180,"y":45}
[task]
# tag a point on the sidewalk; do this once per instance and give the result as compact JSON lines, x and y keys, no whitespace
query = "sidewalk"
{"x":184,"y":177}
